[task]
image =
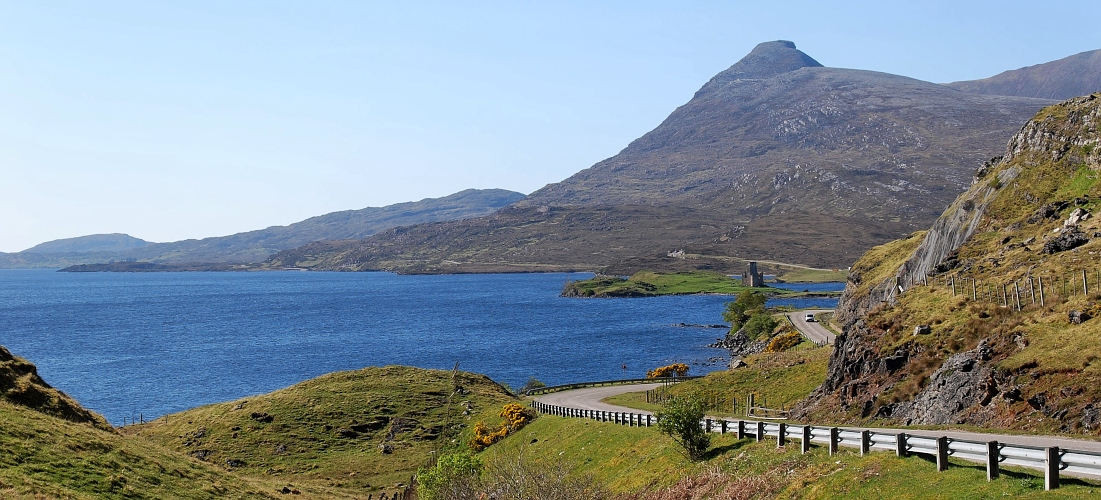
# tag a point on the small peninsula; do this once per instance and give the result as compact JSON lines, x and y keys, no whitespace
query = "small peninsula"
{"x":652,"y":284}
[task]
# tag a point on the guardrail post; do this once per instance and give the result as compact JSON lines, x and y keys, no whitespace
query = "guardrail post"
{"x":760,"y":431}
{"x":835,"y":437}
{"x":900,"y":444}
{"x":741,"y":429}
{"x":865,"y":442}
{"x":781,"y":438}
{"x":992,"y":471}
{"x":942,"y":453}
{"x":707,"y":425}
{"x":805,"y":446}
{"x":722,"y":427}
{"x":1051,"y":469}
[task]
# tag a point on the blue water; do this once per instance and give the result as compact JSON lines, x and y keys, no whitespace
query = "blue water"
{"x":157,"y":343}
{"x":811,"y":287}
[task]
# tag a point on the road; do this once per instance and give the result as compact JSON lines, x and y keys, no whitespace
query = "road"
{"x":812,"y":330}
{"x":590,"y":399}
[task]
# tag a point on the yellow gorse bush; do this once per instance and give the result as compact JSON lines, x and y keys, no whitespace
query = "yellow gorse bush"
{"x":516,"y":417}
{"x":784,"y":341}
{"x":675,"y":369}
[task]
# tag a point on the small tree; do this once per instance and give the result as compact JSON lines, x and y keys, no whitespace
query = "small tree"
{"x":761,"y":324}
{"x":742,"y":308}
{"x":680,"y":419}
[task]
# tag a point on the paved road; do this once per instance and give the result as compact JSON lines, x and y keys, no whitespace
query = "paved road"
{"x":590,"y":399}
{"x":814,"y":331}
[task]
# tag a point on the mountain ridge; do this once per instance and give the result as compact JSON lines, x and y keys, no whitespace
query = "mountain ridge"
{"x":764,"y":168}
{"x":1072,"y":76}
{"x":257,"y":245}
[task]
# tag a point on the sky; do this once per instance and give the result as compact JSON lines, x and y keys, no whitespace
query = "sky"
{"x":176,"y":120}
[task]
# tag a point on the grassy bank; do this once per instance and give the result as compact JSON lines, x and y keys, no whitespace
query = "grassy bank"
{"x":779,"y":378}
{"x":649,"y":284}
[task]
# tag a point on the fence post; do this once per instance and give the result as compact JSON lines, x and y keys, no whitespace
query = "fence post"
{"x":805,"y":447}
{"x":1051,"y":471}
{"x":834,"y":438}
{"x":865,"y":442}
{"x":781,"y":438}
{"x":900,"y":444}
{"x":722,"y":427}
{"x":708,"y":424}
{"x":974,"y":295}
{"x":1085,"y":284}
{"x":1017,"y":294}
{"x":942,"y":453}
{"x":1005,"y":297}
{"x":648,"y":417}
{"x":1040,"y":280}
{"x":992,"y":461}
{"x":741,"y":429}
{"x":760,"y":431}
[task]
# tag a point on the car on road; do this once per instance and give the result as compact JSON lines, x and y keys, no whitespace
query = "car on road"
{"x":810,"y":318}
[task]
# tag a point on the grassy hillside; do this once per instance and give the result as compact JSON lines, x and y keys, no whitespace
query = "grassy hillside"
{"x":47,"y":457}
{"x":339,"y":435}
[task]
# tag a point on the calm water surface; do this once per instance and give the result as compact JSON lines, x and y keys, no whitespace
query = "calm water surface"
{"x":156,"y":343}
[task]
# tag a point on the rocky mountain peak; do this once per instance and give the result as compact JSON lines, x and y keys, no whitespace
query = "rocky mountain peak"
{"x":766,"y":60}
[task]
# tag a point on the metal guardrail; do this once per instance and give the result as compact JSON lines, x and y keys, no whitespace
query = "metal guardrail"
{"x":601,"y":383}
{"x":1053,"y":461}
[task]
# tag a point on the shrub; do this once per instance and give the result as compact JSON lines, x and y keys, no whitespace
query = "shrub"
{"x":675,"y":369}
{"x":516,"y":417}
{"x":453,"y":473}
{"x":784,"y":341}
{"x":532,"y":383}
{"x":680,"y":419}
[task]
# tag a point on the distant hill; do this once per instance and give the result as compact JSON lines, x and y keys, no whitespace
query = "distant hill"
{"x":255,"y":246}
{"x":1068,"y":77}
{"x":982,"y":320}
{"x":776,"y":158}
{"x":114,"y":242}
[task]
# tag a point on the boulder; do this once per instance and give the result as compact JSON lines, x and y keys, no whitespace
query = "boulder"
{"x":1077,"y":317}
{"x":923,"y":330}
{"x":1070,"y":238}
{"x":1078,"y":215}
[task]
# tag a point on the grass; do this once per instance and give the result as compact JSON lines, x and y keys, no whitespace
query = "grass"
{"x":640,"y":463}
{"x":649,"y":284}
{"x":810,"y":275}
{"x":340,"y":435}
{"x":47,"y":457}
{"x":778,"y":379}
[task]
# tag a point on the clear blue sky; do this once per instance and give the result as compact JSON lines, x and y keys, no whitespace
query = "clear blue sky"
{"x":193,"y":119}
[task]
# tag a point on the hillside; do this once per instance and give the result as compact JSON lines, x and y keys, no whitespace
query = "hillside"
{"x":255,"y":246}
{"x":776,"y":158}
{"x":114,"y":242}
{"x":1072,"y":76}
{"x":51,"y":447}
{"x":340,"y":435}
{"x":990,"y":317}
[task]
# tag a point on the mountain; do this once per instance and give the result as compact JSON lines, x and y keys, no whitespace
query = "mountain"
{"x":1072,"y":76}
{"x":255,"y":246}
{"x":115,"y":242}
{"x":776,"y":158}
{"x":990,"y":317}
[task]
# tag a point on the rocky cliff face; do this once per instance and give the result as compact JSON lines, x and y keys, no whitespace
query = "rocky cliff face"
{"x":967,"y":362}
